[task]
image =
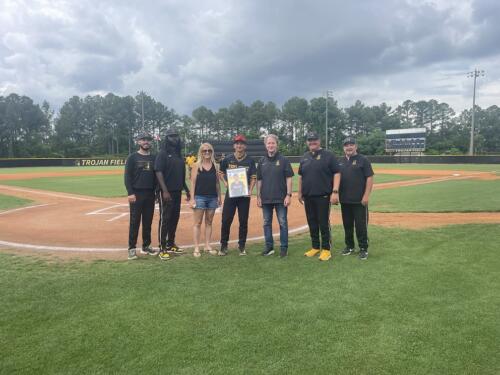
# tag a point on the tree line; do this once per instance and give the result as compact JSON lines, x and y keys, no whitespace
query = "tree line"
{"x":106,"y":125}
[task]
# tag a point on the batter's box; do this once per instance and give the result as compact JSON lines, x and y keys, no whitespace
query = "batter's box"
{"x":118,"y":211}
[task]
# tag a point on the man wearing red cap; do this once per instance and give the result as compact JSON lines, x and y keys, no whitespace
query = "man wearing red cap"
{"x":239,"y":159}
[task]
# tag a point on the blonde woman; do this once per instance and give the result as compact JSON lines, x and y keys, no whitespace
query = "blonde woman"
{"x":206,"y":187}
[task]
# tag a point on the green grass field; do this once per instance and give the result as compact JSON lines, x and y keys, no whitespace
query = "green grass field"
{"x":55,"y":169}
{"x":452,"y":167}
{"x":425,"y":302}
{"x":98,"y":186}
{"x":8,"y":202}
{"x":445,"y":196}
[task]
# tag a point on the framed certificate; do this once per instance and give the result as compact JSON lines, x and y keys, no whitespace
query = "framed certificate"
{"x":237,"y":184}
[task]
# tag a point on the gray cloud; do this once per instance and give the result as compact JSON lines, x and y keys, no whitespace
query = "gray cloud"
{"x":190,"y":53}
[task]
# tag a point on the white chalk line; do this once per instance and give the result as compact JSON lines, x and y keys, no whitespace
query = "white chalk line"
{"x":23,"y":208}
{"x":421,"y":181}
{"x":119,"y":215}
{"x":17,"y":245}
{"x":90,"y":249}
{"x":56,"y":195}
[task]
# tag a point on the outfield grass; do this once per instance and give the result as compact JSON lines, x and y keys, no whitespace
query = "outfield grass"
{"x":112,"y":185}
{"x":57,"y":169}
{"x":98,"y":186}
{"x":453,"y":167}
{"x":8,"y":202}
{"x":445,"y":196}
{"x":423,"y":303}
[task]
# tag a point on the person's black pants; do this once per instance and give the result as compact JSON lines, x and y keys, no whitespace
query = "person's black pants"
{"x":143,"y":208}
{"x":318,"y":219}
{"x":355,"y":216}
{"x":228,"y":212}
{"x":170,"y":211}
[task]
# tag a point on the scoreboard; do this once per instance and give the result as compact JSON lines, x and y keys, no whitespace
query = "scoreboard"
{"x":405,"y":140}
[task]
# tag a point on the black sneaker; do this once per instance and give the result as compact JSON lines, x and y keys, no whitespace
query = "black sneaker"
{"x":147,"y":250}
{"x":242,"y":251}
{"x":223,"y":251}
{"x":363,"y":254}
{"x":283,"y":252}
{"x":268,"y":252}
{"x":347,"y":251}
{"x":174,"y":249}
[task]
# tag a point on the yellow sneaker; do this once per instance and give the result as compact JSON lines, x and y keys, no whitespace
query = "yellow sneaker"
{"x":311,"y":252}
{"x":325,"y":255}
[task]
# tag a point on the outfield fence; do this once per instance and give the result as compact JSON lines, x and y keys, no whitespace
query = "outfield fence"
{"x":110,"y":162}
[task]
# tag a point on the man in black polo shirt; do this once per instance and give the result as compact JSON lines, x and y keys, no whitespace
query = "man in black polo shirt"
{"x":238,"y":159}
{"x":355,"y":189}
{"x":140,"y":182}
{"x":319,"y":180}
{"x":274,"y":192}
{"x":171,"y":174}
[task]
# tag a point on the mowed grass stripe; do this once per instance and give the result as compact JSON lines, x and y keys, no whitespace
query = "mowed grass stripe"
{"x":423,"y":303}
{"x":113,"y":185}
{"x":436,"y":167}
{"x":57,"y":169}
{"x":444,"y":196}
{"x":98,"y":186}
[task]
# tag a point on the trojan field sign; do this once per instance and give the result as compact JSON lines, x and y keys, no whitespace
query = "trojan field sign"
{"x":99,"y":162}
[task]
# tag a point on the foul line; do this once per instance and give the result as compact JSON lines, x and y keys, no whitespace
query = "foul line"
{"x":67,"y":196}
{"x":97,"y":249}
{"x":23,"y":208}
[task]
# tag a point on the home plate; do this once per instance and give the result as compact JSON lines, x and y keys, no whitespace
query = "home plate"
{"x":456,"y":174}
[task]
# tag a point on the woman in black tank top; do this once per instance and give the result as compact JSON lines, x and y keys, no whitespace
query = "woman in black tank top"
{"x":207,"y":198}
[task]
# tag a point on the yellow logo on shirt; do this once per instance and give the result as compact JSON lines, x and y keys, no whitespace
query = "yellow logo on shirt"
{"x":277,"y":163}
{"x":318,"y":157}
{"x":354,"y":162}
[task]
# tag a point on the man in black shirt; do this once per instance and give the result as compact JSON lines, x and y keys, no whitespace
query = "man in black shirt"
{"x":239,"y":159}
{"x":319,"y":180}
{"x":140,"y":181}
{"x":171,"y":174}
{"x":355,"y":189}
{"x":274,"y":192}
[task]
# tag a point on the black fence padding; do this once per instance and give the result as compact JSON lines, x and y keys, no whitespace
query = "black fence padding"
{"x":426,"y":159}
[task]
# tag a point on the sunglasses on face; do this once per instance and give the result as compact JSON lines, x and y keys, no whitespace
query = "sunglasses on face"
{"x":206,"y":151}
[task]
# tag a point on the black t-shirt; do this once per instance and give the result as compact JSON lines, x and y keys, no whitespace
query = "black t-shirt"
{"x":317,"y":170}
{"x":273,"y":172}
{"x":230,"y":162}
{"x":139,"y":173}
{"x":206,"y":182}
{"x":355,"y":171}
{"x":173,"y":169}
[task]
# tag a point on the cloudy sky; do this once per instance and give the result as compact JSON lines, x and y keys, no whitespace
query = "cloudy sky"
{"x":188,"y":53}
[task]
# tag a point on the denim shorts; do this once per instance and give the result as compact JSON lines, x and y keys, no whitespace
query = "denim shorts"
{"x":206,"y":202}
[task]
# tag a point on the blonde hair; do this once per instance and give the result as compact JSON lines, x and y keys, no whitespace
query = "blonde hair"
{"x":199,"y":161}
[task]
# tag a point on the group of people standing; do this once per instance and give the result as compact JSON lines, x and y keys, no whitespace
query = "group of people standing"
{"x":323,"y":180}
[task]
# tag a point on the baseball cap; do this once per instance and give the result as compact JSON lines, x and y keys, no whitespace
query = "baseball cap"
{"x":144,"y":135}
{"x":311,"y":136}
{"x":240,"y":138}
{"x":350,"y":140}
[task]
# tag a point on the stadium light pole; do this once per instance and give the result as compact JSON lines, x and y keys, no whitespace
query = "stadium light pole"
{"x":328,"y":94}
{"x":476,"y":73}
